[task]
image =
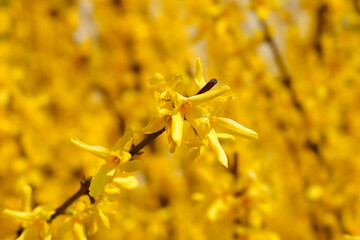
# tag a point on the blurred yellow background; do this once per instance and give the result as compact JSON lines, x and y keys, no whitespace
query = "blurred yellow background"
{"x":80,"y":68}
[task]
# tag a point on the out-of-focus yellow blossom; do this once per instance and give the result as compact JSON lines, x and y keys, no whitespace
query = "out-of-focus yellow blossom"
{"x":349,"y":237}
{"x":75,"y":222}
{"x":118,"y":158}
{"x":34,"y":220}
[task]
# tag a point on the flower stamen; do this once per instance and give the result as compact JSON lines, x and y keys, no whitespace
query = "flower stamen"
{"x":114,"y":160}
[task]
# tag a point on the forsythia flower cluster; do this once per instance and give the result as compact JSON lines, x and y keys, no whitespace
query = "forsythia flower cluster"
{"x":197,"y":103}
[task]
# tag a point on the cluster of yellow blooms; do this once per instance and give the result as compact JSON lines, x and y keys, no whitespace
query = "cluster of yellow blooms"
{"x":82,"y":68}
{"x":177,"y":104}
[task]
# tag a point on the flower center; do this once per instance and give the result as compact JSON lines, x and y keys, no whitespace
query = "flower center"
{"x":114,"y":160}
{"x":186,"y":107}
{"x":38,"y":223}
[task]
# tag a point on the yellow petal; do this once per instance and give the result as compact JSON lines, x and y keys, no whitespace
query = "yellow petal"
{"x":200,"y":123}
{"x":45,"y":233}
{"x":349,"y":237}
{"x":174,"y":81}
{"x":93,"y":227}
{"x":192,"y":153}
{"x":123,"y":142}
{"x":157,"y":82}
{"x":26,"y":202}
{"x":98,"y":151}
{"x":17,"y":214}
{"x":225,"y":136}
{"x":213,"y":93}
{"x":79,"y":231}
{"x":213,"y":212}
{"x":65,"y":227}
{"x":198,"y":196}
{"x":177,"y":124}
{"x":104,"y":219}
{"x":219,"y":105}
{"x":111,"y":189}
{"x":200,"y":81}
{"x":101,"y":178}
{"x":130,"y":166}
{"x":126,"y":182}
{"x":155,"y":124}
{"x":215,"y":146}
{"x":43,"y":212}
{"x":229,"y":126}
{"x":172,"y":143}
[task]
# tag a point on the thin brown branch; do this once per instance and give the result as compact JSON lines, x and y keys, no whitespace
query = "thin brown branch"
{"x":287,"y":82}
{"x":357,"y":5}
{"x":286,"y":78}
{"x":84,"y":190}
{"x":208,"y":86}
{"x":145,"y":142}
{"x":320,"y":28}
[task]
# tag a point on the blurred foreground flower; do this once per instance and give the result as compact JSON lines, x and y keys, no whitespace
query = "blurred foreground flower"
{"x":35,"y":222}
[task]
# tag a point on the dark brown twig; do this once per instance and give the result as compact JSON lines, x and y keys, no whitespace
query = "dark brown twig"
{"x":208,"y":86}
{"x":84,"y":190}
{"x":145,"y":142}
{"x":286,"y":78}
{"x":356,"y":5}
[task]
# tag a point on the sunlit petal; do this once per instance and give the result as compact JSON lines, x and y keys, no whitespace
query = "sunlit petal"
{"x":213,"y":93}
{"x":123,"y":141}
{"x":98,"y":151}
{"x":157,"y":82}
{"x":79,"y":231}
{"x":17,"y":214}
{"x":216,"y":147}
{"x":155,"y":124}
{"x":177,"y":127}
{"x":93,"y":227}
{"x":26,"y":201}
{"x":104,"y":219}
{"x":126,"y":182}
{"x":130,"y":166}
{"x":174,"y":81}
{"x":219,"y":105}
{"x":231,"y":127}
{"x":65,"y":227}
{"x":200,"y":81}
{"x":45,"y":233}
{"x":101,"y":178}
{"x":200,"y":123}
{"x":214,"y":210}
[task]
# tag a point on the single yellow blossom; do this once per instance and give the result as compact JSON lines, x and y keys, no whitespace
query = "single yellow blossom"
{"x":116,"y":158}
{"x":75,"y":221}
{"x":35,"y":222}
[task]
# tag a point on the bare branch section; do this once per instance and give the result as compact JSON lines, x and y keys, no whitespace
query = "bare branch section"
{"x":84,"y":190}
{"x":286,"y":78}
